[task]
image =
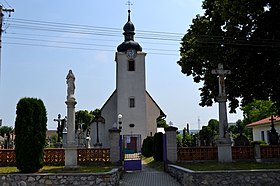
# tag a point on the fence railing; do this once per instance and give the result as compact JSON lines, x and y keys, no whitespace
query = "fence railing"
{"x":197,"y":153}
{"x":271,"y":151}
{"x":239,"y":153}
{"x":56,"y":156}
{"x":91,"y":156}
{"x":7,"y":157}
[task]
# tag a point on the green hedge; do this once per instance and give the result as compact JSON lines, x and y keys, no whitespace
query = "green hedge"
{"x":158,"y":147}
{"x":30,"y":130}
{"x":148,"y":147}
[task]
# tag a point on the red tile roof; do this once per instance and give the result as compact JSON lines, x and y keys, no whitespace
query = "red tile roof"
{"x":264,"y":121}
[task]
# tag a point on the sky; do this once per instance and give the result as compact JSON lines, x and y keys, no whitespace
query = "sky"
{"x":42,"y":40}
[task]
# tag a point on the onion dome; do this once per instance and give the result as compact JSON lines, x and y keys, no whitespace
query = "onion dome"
{"x":129,"y":33}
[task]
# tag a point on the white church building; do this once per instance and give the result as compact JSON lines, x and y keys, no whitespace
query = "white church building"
{"x":130,"y":107}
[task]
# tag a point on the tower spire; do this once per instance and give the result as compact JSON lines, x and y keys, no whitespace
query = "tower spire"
{"x":129,"y":8}
{"x":129,"y":33}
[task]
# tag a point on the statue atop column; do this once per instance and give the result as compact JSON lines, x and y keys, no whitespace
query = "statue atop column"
{"x":71,"y":143}
{"x":222,"y":98}
{"x":224,"y":141}
{"x":221,"y":74}
{"x":70,"y":80}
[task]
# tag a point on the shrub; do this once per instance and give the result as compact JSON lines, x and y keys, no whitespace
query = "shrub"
{"x":30,"y":129}
{"x":148,"y":147}
{"x":158,"y":147}
{"x":261,"y":142}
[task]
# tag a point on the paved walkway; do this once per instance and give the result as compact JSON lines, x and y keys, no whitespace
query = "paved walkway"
{"x":148,"y":177}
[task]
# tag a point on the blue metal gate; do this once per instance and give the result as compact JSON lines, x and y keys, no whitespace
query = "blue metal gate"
{"x":132,"y":162}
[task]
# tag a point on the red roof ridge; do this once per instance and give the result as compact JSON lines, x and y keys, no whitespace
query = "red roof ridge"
{"x":264,"y":121}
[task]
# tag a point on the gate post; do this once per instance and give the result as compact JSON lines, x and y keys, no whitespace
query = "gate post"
{"x":171,"y":144}
{"x":114,"y":137}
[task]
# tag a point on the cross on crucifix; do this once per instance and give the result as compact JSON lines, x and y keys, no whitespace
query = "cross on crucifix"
{"x":272,"y":123}
{"x":272,"y":119}
{"x":129,"y":4}
{"x":221,"y":73}
{"x":58,"y":120}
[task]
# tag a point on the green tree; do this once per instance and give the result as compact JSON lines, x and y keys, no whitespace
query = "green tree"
{"x":5,"y":130}
{"x":187,"y":139}
{"x":240,"y":127}
{"x":257,"y":110}
{"x":213,"y":124}
{"x":242,"y":35}
{"x":179,"y":139}
{"x":97,"y":115}
{"x":30,"y":130}
{"x":83,"y":117}
{"x":205,"y":135}
{"x":161,"y":122}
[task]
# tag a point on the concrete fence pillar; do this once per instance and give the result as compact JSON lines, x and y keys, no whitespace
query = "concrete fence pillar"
{"x":114,"y":137}
{"x":171,"y":144}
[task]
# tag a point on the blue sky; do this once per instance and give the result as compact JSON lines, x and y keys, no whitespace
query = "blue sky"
{"x":35,"y":61}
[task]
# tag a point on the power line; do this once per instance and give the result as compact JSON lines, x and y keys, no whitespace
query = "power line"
{"x":84,"y":38}
{"x":79,"y":43}
{"x":83,"y":33}
{"x":78,"y":48}
{"x":114,"y":32}
{"x":95,"y":27}
{"x":85,"y":29}
{"x":8,"y":4}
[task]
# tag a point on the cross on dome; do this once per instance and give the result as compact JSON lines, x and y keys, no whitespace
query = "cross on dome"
{"x":129,"y":5}
{"x":129,"y":33}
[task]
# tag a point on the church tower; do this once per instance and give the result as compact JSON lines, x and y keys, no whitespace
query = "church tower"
{"x":130,"y":104}
{"x":131,"y":82}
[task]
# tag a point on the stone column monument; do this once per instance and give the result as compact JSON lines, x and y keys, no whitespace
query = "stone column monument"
{"x":71,"y":144}
{"x":224,"y":141}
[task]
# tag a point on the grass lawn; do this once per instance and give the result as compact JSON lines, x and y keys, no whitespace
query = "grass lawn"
{"x":153,"y":164}
{"x":59,"y":169}
{"x":211,"y":166}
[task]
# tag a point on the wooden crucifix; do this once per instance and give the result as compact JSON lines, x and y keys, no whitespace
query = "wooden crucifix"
{"x":58,"y":120}
{"x":221,"y":73}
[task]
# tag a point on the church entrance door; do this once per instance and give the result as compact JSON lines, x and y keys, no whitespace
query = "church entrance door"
{"x":132,"y":152}
{"x":133,"y":144}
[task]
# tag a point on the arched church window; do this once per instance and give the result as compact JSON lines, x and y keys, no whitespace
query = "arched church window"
{"x":131,"y":65}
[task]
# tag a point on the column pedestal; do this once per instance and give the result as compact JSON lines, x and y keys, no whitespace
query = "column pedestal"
{"x":71,"y":154}
{"x":71,"y":147}
{"x":224,"y":152}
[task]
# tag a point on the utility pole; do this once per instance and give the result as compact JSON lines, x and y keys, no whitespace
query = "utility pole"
{"x":9,"y":10}
{"x":1,"y":22}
